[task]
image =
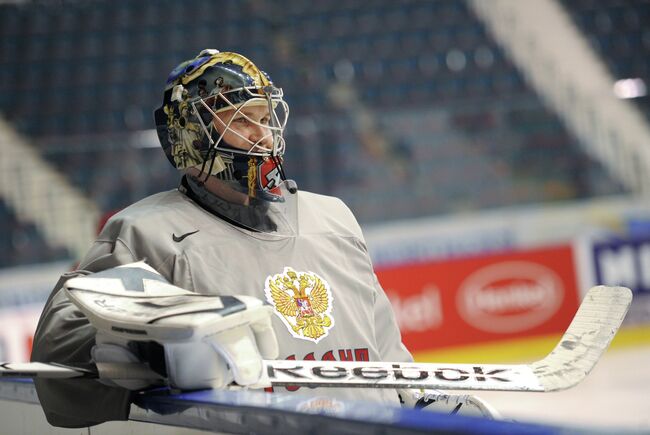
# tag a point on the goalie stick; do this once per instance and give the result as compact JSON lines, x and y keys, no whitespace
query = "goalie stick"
{"x":589,"y":334}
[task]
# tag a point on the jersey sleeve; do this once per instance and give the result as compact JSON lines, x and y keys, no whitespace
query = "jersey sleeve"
{"x":64,"y":335}
{"x":387,"y":333}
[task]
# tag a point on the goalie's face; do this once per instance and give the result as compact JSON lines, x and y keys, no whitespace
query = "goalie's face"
{"x":246,"y":128}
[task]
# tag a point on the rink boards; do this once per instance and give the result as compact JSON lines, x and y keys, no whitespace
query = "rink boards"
{"x":213,"y":411}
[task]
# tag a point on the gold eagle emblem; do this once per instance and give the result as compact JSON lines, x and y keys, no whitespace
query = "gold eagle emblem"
{"x":303,"y":301}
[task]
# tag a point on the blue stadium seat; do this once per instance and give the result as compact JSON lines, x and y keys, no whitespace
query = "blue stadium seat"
{"x":440,"y":96}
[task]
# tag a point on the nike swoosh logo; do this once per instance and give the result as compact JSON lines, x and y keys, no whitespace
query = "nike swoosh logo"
{"x":181,"y":237}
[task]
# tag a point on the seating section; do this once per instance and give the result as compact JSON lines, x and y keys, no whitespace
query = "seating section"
{"x":21,"y":243}
{"x":113,"y":170}
{"x":402,"y":108}
{"x":619,"y":32}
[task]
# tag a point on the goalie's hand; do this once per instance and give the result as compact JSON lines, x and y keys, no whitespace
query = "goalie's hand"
{"x":112,"y":349}
{"x":208,"y":341}
{"x":448,"y":403}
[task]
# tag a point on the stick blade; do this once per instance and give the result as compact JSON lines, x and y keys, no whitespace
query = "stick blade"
{"x":46,"y":370}
{"x":594,"y":326}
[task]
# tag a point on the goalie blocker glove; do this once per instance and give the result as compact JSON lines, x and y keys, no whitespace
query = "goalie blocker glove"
{"x":209,"y":341}
{"x":447,"y":403}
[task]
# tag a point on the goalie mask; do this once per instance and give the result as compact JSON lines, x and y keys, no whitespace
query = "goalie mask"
{"x":222,"y":123}
{"x":222,"y":116}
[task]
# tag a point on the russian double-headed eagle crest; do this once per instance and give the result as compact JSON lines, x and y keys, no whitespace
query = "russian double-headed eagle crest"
{"x":303,"y":301}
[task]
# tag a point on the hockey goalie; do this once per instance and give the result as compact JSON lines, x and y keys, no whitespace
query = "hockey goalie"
{"x":240,"y":266}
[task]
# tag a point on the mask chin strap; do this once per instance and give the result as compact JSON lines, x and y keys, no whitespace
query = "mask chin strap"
{"x":212,"y":152}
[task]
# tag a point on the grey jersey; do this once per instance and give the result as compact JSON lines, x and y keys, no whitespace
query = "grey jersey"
{"x":327,"y":301}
